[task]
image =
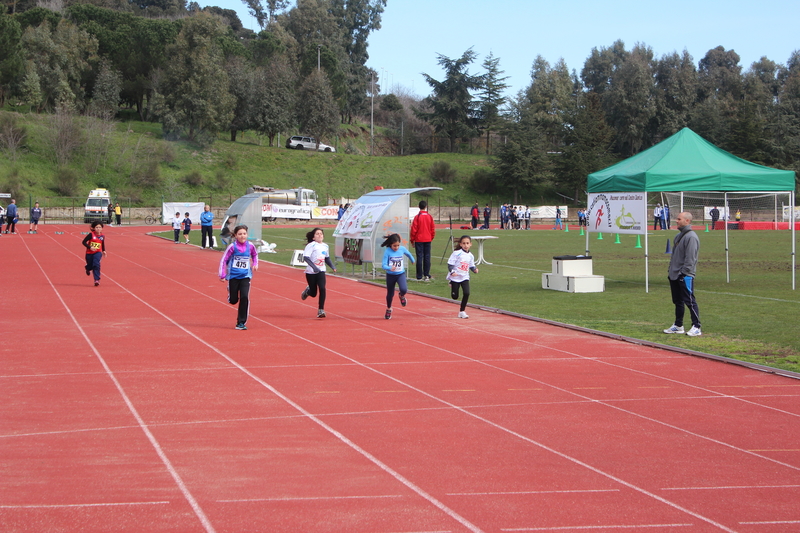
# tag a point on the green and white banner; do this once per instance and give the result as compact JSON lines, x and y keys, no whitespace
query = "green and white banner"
{"x":617,"y":212}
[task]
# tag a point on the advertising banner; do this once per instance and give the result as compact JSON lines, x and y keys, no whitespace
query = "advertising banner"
{"x":548,"y":211}
{"x":285,"y":211}
{"x":617,"y":212}
{"x":360,"y":220}
{"x":328,"y":212}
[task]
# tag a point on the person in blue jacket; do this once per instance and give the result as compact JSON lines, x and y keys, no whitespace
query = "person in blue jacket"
{"x":394,"y":265}
{"x":207,"y":227}
{"x":236,"y":267}
{"x":11,"y":217}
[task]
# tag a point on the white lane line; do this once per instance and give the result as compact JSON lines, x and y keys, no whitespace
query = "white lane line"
{"x":153,"y":441}
{"x":608,"y":526}
{"x":579,"y":491}
{"x":56,"y":506}
{"x":294,"y":499}
{"x":735,"y":487}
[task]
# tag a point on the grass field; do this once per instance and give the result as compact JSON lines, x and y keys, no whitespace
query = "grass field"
{"x":753,"y":318}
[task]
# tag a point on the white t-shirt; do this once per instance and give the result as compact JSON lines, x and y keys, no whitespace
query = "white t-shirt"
{"x":176,"y":223}
{"x":317,"y":252}
{"x":462,"y":261}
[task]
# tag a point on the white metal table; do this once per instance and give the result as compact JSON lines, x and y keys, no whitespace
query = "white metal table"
{"x":480,"y":240}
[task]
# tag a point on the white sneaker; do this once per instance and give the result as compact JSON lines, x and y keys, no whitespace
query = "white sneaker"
{"x":674,"y":329}
{"x":694,"y":332}
{"x":462,"y":314}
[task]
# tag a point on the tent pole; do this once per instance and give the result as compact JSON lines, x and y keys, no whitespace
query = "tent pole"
{"x":794,"y":238}
{"x":727,"y":262}
{"x":646,"y":262}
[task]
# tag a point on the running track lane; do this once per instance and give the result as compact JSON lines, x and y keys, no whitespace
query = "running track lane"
{"x":135,"y":406}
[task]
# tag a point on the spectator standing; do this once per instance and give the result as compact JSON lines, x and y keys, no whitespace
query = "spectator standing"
{"x":558,"y":219}
{"x":11,"y":217}
{"x":656,"y":216}
{"x":527,"y":217}
{"x":423,"y":231}
{"x":118,"y":214}
{"x":487,"y":215}
{"x":665,"y":222}
{"x":207,"y":227}
{"x":714,"y":216}
{"x":176,"y":227}
{"x":187,"y":227}
{"x":682,"y":270}
{"x":36,"y":214}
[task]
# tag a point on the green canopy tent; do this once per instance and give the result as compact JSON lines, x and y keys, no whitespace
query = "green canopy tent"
{"x":687,"y":162}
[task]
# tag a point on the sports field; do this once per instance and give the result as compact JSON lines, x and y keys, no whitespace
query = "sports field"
{"x":135,"y":406}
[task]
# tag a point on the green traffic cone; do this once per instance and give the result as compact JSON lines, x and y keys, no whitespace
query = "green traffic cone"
{"x":617,"y":240}
{"x":638,"y":241}
{"x":706,"y":227}
{"x":566,"y":228}
{"x":582,"y":231}
{"x":599,"y":236}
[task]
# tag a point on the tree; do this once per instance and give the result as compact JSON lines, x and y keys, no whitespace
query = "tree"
{"x":62,"y":59}
{"x":675,"y":93}
{"x":521,"y":162}
{"x":491,"y":97}
{"x":453,"y":111}
{"x":588,"y":144}
{"x":391,"y":103}
{"x":105,"y":96}
{"x":11,"y":63}
{"x":546,"y":100}
{"x":241,"y":85}
{"x":265,"y":12}
{"x":193,"y":94}
{"x":630,"y":101}
{"x":316,"y":108}
{"x":274,"y":99}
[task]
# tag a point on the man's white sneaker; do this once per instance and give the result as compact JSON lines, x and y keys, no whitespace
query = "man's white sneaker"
{"x":674,"y":329}
{"x":462,"y":314}
{"x":694,"y":332}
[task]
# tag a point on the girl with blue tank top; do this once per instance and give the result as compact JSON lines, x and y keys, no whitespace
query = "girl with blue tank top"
{"x":236,"y":267}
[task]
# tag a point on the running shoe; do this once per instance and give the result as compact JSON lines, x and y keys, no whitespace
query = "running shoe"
{"x":694,"y":332}
{"x":241,"y":326}
{"x":403,"y":301}
{"x":88,"y":272}
{"x":463,"y":314}
{"x":674,"y":329}
{"x":388,"y":314}
{"x":305,"y":293}
{"x":321,"y":313}
{"x":97,"y":283}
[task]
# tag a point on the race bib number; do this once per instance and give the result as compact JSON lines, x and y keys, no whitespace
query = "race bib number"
{"x":241,"y":262}
{"x":396,"y":263}
{"x":94,"y":245}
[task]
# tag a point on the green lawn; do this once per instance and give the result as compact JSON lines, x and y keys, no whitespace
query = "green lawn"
{"x":752,"y":318}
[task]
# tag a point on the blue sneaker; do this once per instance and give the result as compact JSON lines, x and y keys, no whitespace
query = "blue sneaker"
{"x":241,"y":326}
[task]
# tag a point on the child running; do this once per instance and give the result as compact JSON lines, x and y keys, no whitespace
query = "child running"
{"x":176,"y":227}
{"x":95,"y":243}
{"x":187,"y":227}
{"x":317,"y":256}
{"x":460,"y":264}
{"x":394,"y":266}
{"x":237,"y":265}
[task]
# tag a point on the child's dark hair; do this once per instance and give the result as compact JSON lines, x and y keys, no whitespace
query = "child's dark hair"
{"x":96,"y":223}
{"x":391,"y":239}
{"x":462,"y":238}
{"x":237,"y":228}
{"x":187,"y":214}
{"x":310,"y":234}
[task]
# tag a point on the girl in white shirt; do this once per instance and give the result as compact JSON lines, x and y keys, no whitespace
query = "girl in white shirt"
{"x":316,"y":255}
{"x":460,"y":264}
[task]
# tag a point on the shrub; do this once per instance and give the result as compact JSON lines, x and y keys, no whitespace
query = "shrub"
{"x":146,"y":175}
{"x":166,"y":153}
{"x":230,"y":161}
{"x":65,"y":182}
{"x":441,"y":172}
{"x":221,"y":181}
{"x":193,"y":179}
{"x":12,"y":136}
{"x":424,"y":181}
{"x":483,"y":181}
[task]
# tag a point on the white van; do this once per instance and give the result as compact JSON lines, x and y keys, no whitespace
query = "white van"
{"x":96,"y":207}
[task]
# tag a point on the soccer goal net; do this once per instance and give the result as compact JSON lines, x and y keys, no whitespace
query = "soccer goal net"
{"x":732,"y":207}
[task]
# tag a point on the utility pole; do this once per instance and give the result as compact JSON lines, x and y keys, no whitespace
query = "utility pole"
{"x":319,"y":46}
{"x":372,"y":114}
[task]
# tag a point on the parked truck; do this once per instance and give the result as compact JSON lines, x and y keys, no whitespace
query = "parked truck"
{"x":298,"y":196}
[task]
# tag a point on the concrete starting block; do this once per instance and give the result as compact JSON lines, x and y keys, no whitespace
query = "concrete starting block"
{"x":573,"y":274}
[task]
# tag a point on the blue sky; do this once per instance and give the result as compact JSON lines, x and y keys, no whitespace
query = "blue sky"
{"x":413,"y":32}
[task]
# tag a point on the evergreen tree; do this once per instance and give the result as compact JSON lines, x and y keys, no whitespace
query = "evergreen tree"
{"x":316,"y":109}
{"x":453,"y":111}
{"x":193,"y":96}
{"x":491,"y":97}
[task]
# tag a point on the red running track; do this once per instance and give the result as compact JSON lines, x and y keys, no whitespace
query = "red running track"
{"x":135,"y":406}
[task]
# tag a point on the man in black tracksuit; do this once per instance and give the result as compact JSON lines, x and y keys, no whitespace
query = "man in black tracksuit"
{"x":682,"y":270}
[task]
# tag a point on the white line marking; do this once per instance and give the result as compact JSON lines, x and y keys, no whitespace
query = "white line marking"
{"x":573,"y":528}
{"x":770,"y":523}
{"x":292,"y":499}
{"x":580,"y":491}
{"x":80,"y":505}
{"x":746,"y":487}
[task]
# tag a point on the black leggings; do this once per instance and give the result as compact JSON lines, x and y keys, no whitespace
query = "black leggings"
{"x":239,"y":292}
{"x":391,"y":281}
{"x":464,"y":285}
{"x":315,"y":282}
